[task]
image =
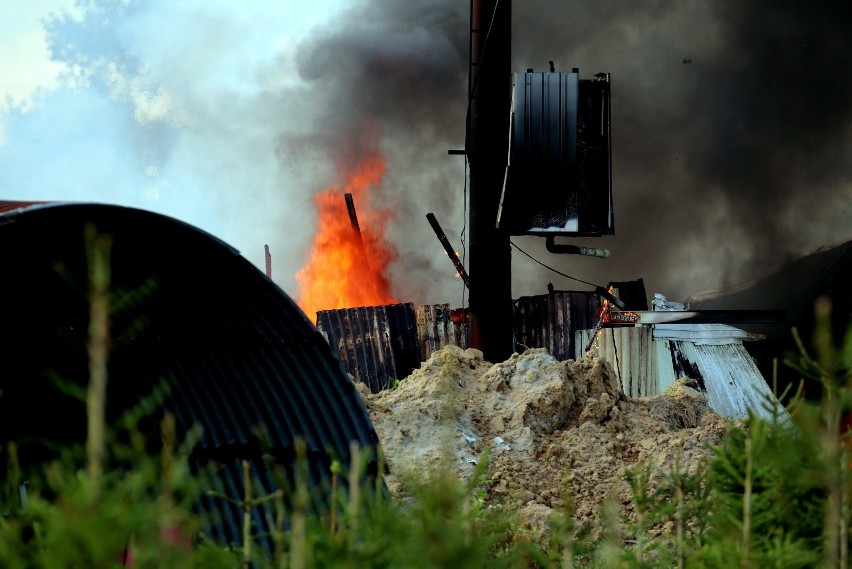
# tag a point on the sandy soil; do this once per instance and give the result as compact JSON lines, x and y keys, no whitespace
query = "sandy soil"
{"x":553,"y":430}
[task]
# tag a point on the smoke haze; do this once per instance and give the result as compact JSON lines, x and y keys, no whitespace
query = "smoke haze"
{"x":731,"y":128}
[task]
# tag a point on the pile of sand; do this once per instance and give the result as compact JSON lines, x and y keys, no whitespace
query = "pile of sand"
{"x":552,"y":427}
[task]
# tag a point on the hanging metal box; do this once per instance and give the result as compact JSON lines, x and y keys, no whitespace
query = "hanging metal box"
{"x":558,"y":180}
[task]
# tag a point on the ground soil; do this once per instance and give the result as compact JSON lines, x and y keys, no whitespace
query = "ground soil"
{"x":554,"y":431}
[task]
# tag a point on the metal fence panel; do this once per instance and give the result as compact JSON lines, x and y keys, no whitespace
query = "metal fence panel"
{"x":376,"y":344}
{"x":551,"y":321}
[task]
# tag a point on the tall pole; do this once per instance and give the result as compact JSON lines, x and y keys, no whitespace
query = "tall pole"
{"x":487,"y":151}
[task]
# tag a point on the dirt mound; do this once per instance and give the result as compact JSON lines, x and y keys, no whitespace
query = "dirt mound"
{"x":552,"y":427}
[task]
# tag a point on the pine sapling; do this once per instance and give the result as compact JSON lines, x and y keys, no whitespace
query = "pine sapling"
{"x":97,"y":254}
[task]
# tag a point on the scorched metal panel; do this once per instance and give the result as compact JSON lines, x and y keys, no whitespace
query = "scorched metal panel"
{"x":558,"y":180}
{"x":550,"y":321}
{"x":376,"y":344}
{"x":437,"y":327}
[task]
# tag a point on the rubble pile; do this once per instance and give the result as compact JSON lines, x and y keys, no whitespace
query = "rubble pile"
{"x":549,"y":427}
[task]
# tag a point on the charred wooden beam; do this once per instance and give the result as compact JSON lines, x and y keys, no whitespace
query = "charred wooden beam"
{"x":451,"y":253}
{"x":268,"y":257}
{"x":353,"y":219}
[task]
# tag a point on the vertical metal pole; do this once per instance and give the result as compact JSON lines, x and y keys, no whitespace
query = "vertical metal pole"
{"x":487,"y":150}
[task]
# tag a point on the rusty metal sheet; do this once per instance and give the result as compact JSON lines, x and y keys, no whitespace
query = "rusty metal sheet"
{"x":461,"y":327}
{"x":550,"y":321}
{"x":437,"y":327}
{"x":376,"y":344}
{"x":10,"y":206}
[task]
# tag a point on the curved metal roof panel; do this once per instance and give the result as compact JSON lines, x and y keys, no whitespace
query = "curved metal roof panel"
{"x":186,"y":310}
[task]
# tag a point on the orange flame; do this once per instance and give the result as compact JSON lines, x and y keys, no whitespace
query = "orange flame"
{"x":604,"y":308}
{"x":344,"y":270}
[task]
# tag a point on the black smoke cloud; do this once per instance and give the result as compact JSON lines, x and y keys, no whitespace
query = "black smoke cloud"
{"x":731,"y":129}
{"x":394,"y":74}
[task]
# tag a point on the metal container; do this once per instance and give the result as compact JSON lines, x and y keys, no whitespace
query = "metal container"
{"x":558,"y":180}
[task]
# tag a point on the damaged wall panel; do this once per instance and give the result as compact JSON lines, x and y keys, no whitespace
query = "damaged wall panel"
{"x":632,"y":354}
{"x":647,"y":360}
{"x":376,"y":344}
{"x":439,"y":326}
{"x":550,"y":320}
{"x":730,"y":378}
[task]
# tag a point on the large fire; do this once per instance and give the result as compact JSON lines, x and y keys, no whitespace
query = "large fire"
{"x":345,"y":269}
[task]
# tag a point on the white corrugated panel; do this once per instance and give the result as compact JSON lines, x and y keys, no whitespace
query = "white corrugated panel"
{"x":666,"y":375}
{"x":647,"y":364}
{"x":631,"y":353}
{"x":731,"y":380}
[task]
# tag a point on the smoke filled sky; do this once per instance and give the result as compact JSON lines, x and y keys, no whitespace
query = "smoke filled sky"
{"x":732,"y":124}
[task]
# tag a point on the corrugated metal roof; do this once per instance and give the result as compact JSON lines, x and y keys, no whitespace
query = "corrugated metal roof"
{"x":793,"y":288}
{"x":704,"y":333}
{"x":376,"y":344}
{"x":233,"y":348}
{"x":550,"y":321}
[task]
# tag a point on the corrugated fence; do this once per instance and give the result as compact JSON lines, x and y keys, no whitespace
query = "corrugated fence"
{"x":439,"y":326}
{"x":380,"y":344}
{"x":550,"y":320}
{"x":376,"y":344}
{"x":632,"y":354}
